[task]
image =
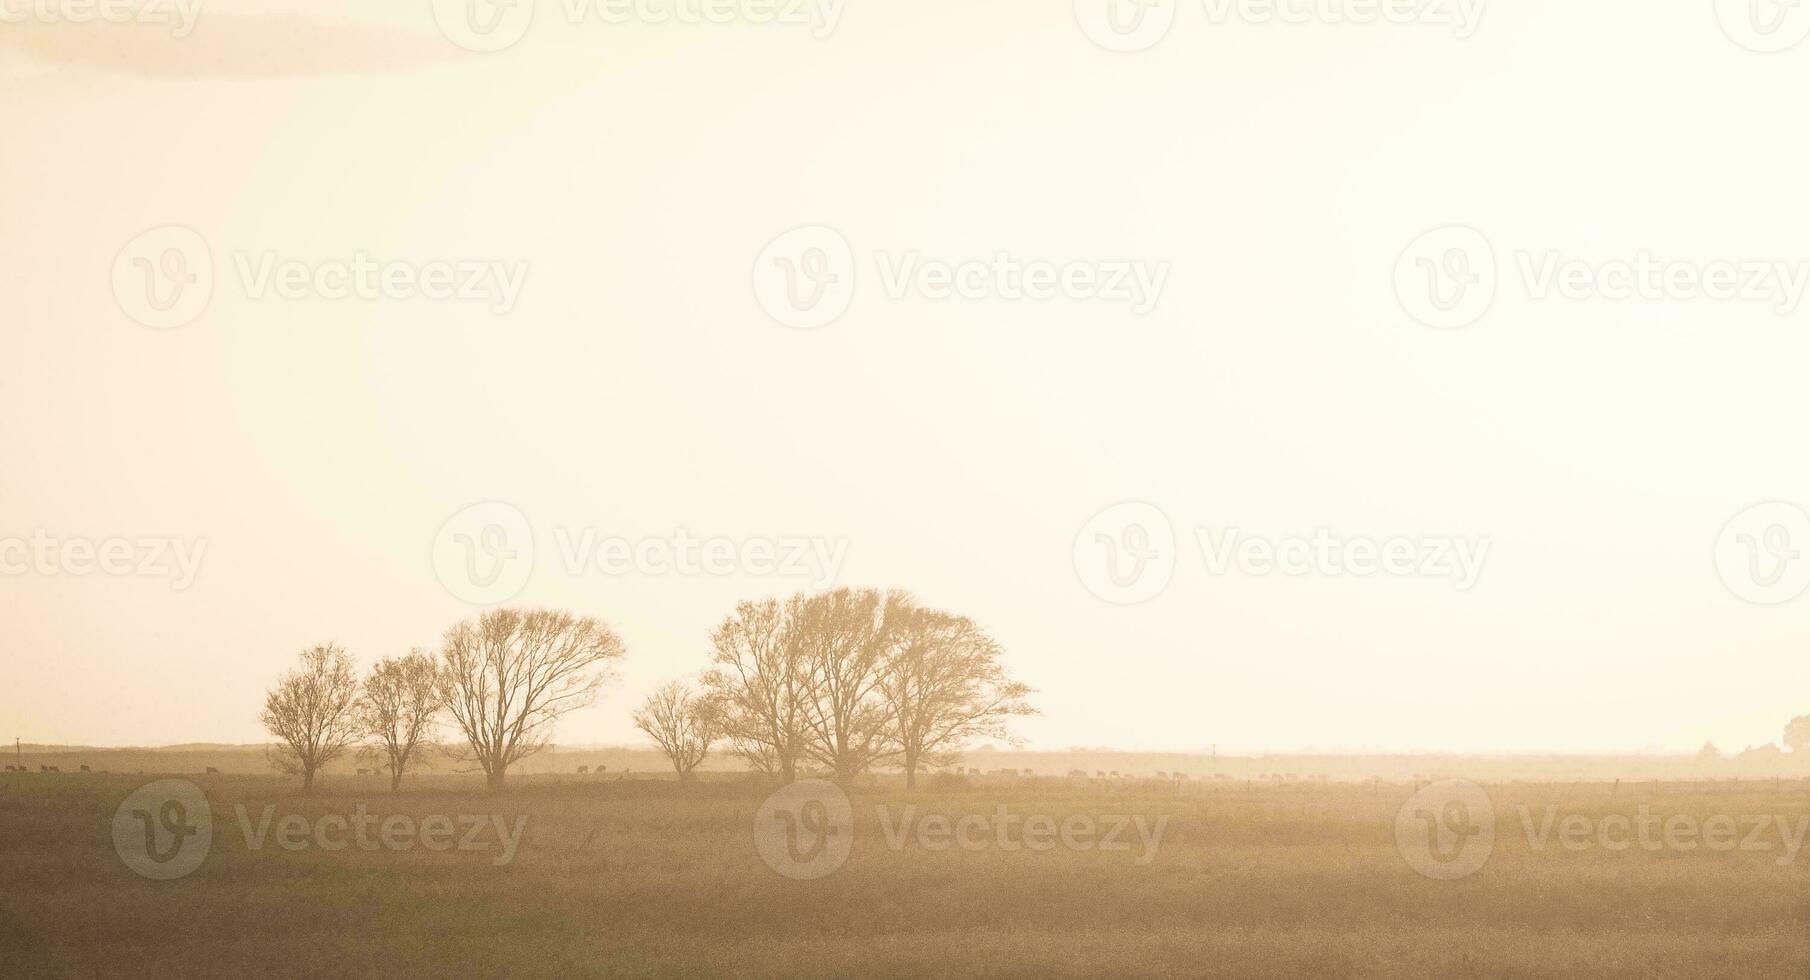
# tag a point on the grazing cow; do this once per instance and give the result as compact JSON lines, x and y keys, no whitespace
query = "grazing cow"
{"x":1077,"y":774}
{"x":584,"y":770}
{"x":1114,"y":774}
{"x":1028,"y":772}
{"x":86,"y":769}
{"x":56,"y":768}
{"x":211,"y":771}
{"x":1161,"y":774}
{"x":1099,"y":774}
{"x":364,"y":772}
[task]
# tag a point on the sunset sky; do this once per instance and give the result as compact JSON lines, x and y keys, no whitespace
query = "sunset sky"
{"x":635,"y":386}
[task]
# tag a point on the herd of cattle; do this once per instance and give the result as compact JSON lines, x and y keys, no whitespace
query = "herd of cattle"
{"x":1112,"y":776}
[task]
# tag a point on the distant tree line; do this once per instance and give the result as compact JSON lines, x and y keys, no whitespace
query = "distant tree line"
{"x":842,"y":681}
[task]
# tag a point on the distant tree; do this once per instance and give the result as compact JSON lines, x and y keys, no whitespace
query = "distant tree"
{"x":507,"y":677}
{"x":312,"y":711}
{"x":1797,"y":734}
{"x":757,"y":684}
{"x":1709,"y":753}
{"x":944,"y":686}
{"x":397,"y":708}
{"x":683,"y":724}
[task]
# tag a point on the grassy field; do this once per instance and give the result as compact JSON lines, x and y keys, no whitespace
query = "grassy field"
{"x":650,"y":878}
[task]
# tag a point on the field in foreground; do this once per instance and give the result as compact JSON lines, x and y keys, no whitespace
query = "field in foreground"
{"x":658,"y":878}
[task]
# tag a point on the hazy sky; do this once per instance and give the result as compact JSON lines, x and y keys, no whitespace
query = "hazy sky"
{"x":633,"y":385}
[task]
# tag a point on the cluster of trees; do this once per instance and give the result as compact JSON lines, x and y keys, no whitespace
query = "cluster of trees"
{"x":842,"y":681}
{"x":503,"y":679}
{"x":852,"y":679}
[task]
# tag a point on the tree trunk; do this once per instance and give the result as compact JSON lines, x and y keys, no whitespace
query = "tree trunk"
{"x":494,"y":778}
{"x":788,"y":772}
{"x":686,"y":776}
{"x":395,"y":780}
{"x":307,"y":781}
{"x":911,"y":770}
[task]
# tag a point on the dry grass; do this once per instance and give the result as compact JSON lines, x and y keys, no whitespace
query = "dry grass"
{"x":648,"y":879}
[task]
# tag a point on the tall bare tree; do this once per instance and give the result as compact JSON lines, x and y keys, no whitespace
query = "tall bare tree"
{"x":945,"y":686}
{"x":508,"y":676}
{"x":682,"y":723}
{"x":758,"y":687}
{"x":397,"y":707}
{"x":312,"y":711}
{"x":844,"y":639}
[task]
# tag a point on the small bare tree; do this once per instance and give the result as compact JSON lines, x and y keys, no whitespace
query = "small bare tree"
{"x":311,"y":710}
{"x":757,"y":687}
{"x":683,"y":724}
{"x":945,"y":686}
{"x":508,"y":676}
{"x":397,"y":708}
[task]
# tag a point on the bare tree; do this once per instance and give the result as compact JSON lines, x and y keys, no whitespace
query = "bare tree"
{"x":508,"y":676}
{"x":758,"y":686}
{"x":843,"y":639}
{"x":682,"y":723}
{"x":312,"y":711}
{"x":397,"y":708}
{"x":945,"y":686}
